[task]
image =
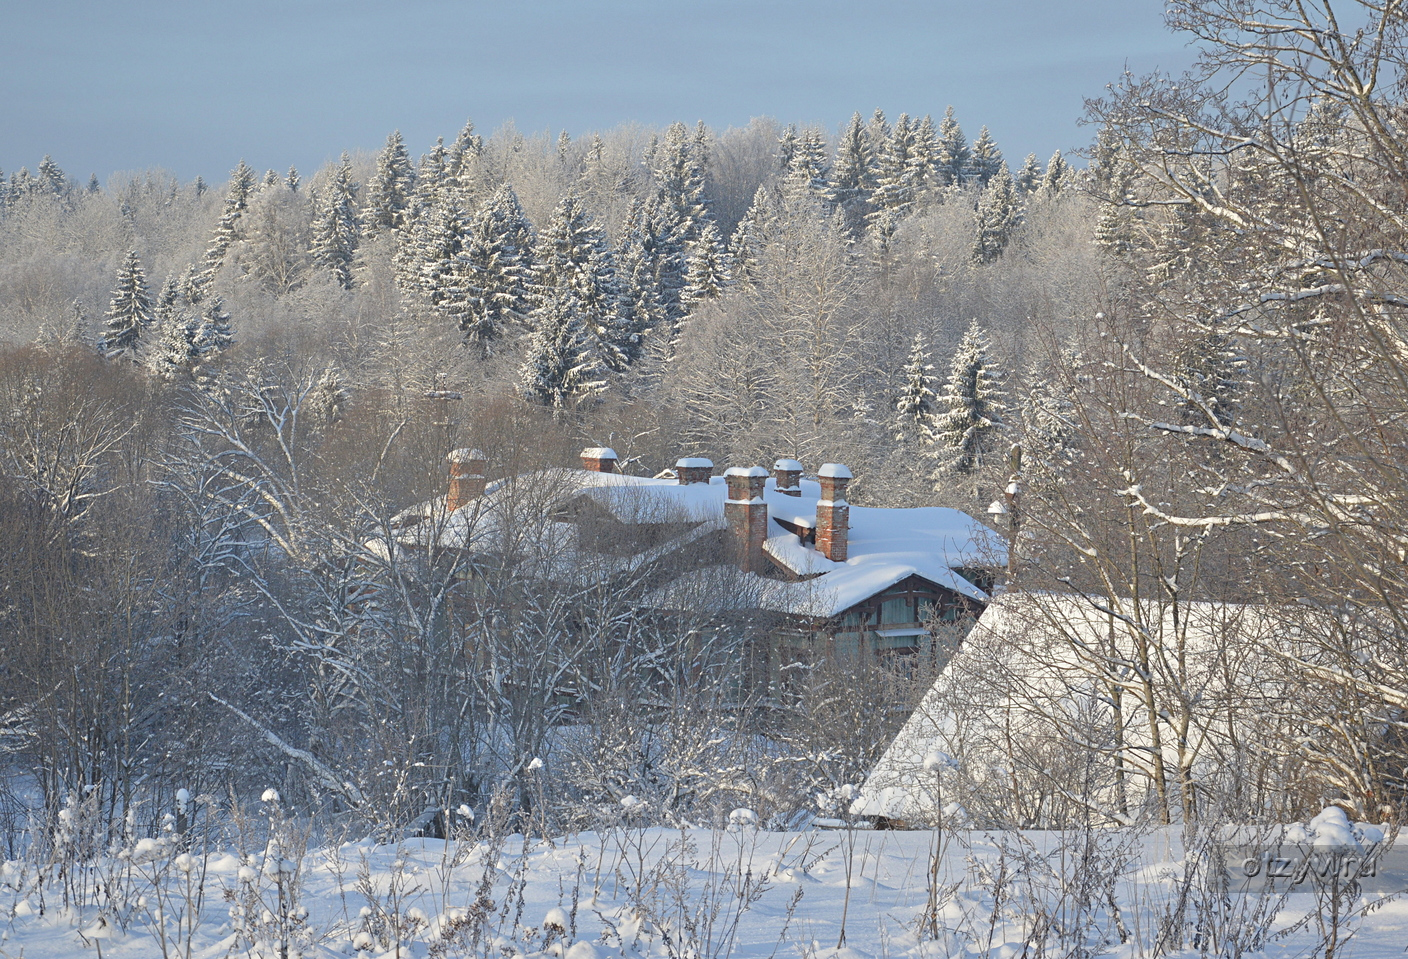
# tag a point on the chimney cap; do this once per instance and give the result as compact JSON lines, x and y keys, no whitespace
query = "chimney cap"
{"x":466,"y":455}
{"x":788,"y":466}
{"x":745,"y":471}
{"x":834,"y":471}
{"x":695,"y":462}
{"x":599,"y":453}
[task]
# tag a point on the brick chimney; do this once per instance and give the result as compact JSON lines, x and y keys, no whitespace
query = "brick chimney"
{"x":788,"y":474}
{"x":747,"y":515}
{"x":833,"y":513}
{"x":694,"y":469}
{"x":467,"y":479}
{"x":599,"y":459}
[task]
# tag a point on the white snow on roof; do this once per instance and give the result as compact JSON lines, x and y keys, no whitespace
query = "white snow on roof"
{"x":745,"y":471}
{"x":599,"y":453}
{"x":694,"y":461}
{"x":465,"y":455}
{"x":885,"y":545}
{"x":790,"y":466}
{"x":834,"y":471}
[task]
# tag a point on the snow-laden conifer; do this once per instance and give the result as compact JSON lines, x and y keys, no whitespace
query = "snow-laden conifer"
{"x":1058,"y":173}
{"x":336,"y":226}
{"x":390,"y":191}
{"x":130,"y":311}
{"x":708,"y":273}
{"x":492,"y":276}
{"x":806,"y":172}
{"x":996,"y":219}
{"x":953,"y":151}
{"x":561,"y":364}
{"x":49,"y":179}
{"x":573,"y":257}
{"x":897,"y":173}
{"x":228,"y":230}
{"x":213,"y":330}
{"x":1028,"y":178}
{"x":853,"y":174}
{"x":175,"y":351}
{"x":971,"y":407}
{"x":918,"y":401}
{"x":984,"y":159}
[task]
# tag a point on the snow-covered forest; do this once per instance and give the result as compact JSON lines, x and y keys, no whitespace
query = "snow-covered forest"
{"x":1175,"y":363}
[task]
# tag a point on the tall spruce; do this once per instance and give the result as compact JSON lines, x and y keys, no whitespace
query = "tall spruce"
{"x":918,"y":401}
{"x":493,"y":274}
{"x":228,"y":230}
{"x":389,"y":194}
{"x":984,"y":159}
{"x":561,"y":364}
{"x":336,"y":226}
{"x":574,"y":258}
{"x":130,"y":311}
{"x":952,"y":163}
{"x":971,"y":408}
{"x":853,"y":174}
{"x":996,"y":218}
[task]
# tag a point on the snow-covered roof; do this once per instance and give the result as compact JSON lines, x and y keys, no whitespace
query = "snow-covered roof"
{"x":886,"y":546}
{"x":599,"y":453}
{"x":1027,"y":674}
{"x":834,"y":470}
{"x":788,"y":466}
{"x":466,"y":455}
{"x":695,"y":462}
{"x":745,"y":471}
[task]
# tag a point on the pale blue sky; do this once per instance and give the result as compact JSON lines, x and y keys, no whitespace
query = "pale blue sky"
{"x":194,"y":86}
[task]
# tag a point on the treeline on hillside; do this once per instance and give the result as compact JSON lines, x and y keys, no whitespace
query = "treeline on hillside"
{"x":1197,"y":343}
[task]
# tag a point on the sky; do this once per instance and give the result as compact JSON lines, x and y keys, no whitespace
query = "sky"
{"x":193,"y":86}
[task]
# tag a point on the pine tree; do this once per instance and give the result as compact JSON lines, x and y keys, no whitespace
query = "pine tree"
{"x":917,"y":402}
{"x":130,"y":311}
{"x":561,"y":364}
{"x":971,"y":406}
{"x":953,"y":151}
{"x":389,"y":193}
{"x":996,"y":219}
{"x":1029,"y":176}
{"x":335,"y":225}
{"x":984,"y":159}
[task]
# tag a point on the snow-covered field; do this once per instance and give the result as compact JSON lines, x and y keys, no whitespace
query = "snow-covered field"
{"x":692,"y":892}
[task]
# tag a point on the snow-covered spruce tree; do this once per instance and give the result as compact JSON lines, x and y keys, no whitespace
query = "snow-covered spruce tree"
{"x":49,"y":179}
{"x":898,"y":174}
{"x":292,"y":179}
{"x":228,"y":230}
{"x":787,"y":146}
{"x":213,"y":331}
{"x":853,"y":174}
{"x":996,"y":219}
{"x":573,"y":256}
{"x":653,"y":263}
{"x":971,"y":409}
{"x":806,"y":172}
{"x":175,"y":352}
{"x":927,"y":151}
{"x":390,"y":191}
{"x":985,"y":159}
{"x":1058,"y":174}
{"x":493,"y":274}
{"x":462,"y":160}
{"x":953,"y":154}
{"x":561,"y":365}
{"x":750,"y":236}
{"x":917,"y":402}
{"x":708,"y":273}
{"x":1028,"y":178}
{"x":335,"y":225}
{"x":679,"y":171}
{"x":130,"y":311}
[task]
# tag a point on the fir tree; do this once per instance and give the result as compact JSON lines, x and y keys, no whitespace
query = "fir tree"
{"x":1029,"y":176}
{"x":389,"y":193}
{"x":749,"y":237}
{"x":917,"y":402}
{"x":877,"y":133}
{"x":561,"y":364}
{"x":293,"y":179}
{"x":175,"y":352}
{"x":335,"y":225}
{"x":49,"y":179}
{"x":927,"y":151}
{"x":93,"y":186}
{"x":679,"y":171}
{"x":971,"y":406}
{"x":130,"y":312}
{"x":953,"y":151}
{"x":996,"y":219}
{"x":271,"y":180}
{"x":806,"y":172}
{"x":787,"y":146}
{"x":200,"y":187}
{"x":984,"y":159}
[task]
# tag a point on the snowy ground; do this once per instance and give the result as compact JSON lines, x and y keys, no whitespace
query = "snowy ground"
{"x":661,"y":892}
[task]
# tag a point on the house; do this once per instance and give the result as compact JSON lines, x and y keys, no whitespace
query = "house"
{"x":861,"y":580}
